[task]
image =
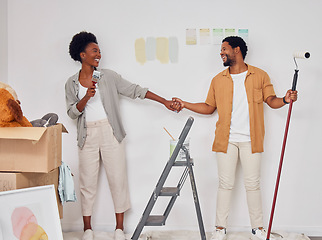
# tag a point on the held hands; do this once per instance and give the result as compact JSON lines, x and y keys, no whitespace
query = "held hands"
{"x":178,"y":104}
{"x":175,"y":105}
{"x":171,"y":105}
{"x":290,"y":95}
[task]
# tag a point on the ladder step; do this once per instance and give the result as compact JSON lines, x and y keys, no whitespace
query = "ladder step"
{"x":182,"y":163}
{"x":170,"y":191}
{"x":155,"y":220}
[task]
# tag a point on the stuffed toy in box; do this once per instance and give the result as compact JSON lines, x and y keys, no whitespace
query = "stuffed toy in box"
{"x":10,"y":111}
{"x":10,"y":90}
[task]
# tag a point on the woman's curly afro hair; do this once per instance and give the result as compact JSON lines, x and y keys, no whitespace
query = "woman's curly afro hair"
{"x":79,"y":43}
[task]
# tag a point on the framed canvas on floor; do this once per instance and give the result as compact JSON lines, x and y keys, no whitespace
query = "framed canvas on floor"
{"x":30,"y":213}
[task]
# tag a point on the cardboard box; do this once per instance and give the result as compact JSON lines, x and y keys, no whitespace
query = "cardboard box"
{"x":31,"y":149}
{"x":11,"y":181}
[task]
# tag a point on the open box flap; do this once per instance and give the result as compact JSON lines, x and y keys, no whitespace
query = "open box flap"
{"x":25,"y":133}
{"x":64,"y":130}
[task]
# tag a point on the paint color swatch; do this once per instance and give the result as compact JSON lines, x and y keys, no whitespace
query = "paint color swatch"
{"x":217,"y":35}
{"x":230,"y":32}
{"x":162,"y":52}
{"x":204,"y":36}
{"x":140,"y":50}
{"x":163,"y":49}
{"x":173,"y":49}
{"x":150,"y":48}
{"x":191,"y":36}
{"x":243,"y":33}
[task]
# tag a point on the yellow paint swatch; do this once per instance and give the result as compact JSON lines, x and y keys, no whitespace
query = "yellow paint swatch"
{"x":162,"y":51}
{"x":191,"y":36}
{"x":140,"y":50}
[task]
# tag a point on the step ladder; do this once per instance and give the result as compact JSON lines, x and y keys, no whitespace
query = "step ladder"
{"x":173,"y":192}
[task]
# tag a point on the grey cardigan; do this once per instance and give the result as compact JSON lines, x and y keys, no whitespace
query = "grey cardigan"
{"x":110,"y":86}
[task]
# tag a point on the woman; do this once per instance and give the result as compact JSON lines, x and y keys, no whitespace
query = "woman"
{"x":99,"y":128}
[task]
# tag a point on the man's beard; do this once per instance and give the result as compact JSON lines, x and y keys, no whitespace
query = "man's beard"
{"x":228,"y":62}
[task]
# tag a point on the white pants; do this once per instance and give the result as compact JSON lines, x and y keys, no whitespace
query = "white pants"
{"x":251,"y":165}
{"x":101,"y":144}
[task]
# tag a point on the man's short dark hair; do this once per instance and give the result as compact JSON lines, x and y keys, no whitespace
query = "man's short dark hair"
{"x":235,"y":41}
{"x":79,"y":43}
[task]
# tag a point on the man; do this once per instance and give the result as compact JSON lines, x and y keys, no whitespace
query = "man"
{"x":238,"y":94}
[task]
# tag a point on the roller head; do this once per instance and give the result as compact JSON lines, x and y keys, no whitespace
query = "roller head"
{"x":301,"y":54}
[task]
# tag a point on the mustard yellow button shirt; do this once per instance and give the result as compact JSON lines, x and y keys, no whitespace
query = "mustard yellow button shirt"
{"x":220,"y":95}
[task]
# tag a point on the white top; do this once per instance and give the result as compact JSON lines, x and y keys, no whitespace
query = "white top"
{"x":239,"y":126}
{"x":94,"y":108}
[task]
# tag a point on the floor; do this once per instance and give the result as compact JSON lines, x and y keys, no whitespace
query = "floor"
{"x":186,"y":235}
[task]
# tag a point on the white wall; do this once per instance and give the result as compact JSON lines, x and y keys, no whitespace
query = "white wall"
{"x":3,"y":41}
{"x":39,"y":32}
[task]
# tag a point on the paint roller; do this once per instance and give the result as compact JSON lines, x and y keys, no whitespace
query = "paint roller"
{"x":301,"y":54}
{"x":297,"y":54}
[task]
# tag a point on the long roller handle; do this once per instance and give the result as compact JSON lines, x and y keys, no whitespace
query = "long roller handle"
{"x":282,"y":157}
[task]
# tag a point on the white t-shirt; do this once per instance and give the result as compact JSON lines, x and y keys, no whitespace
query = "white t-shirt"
{"x":239,"y":126}
{"x":94,"y":107}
